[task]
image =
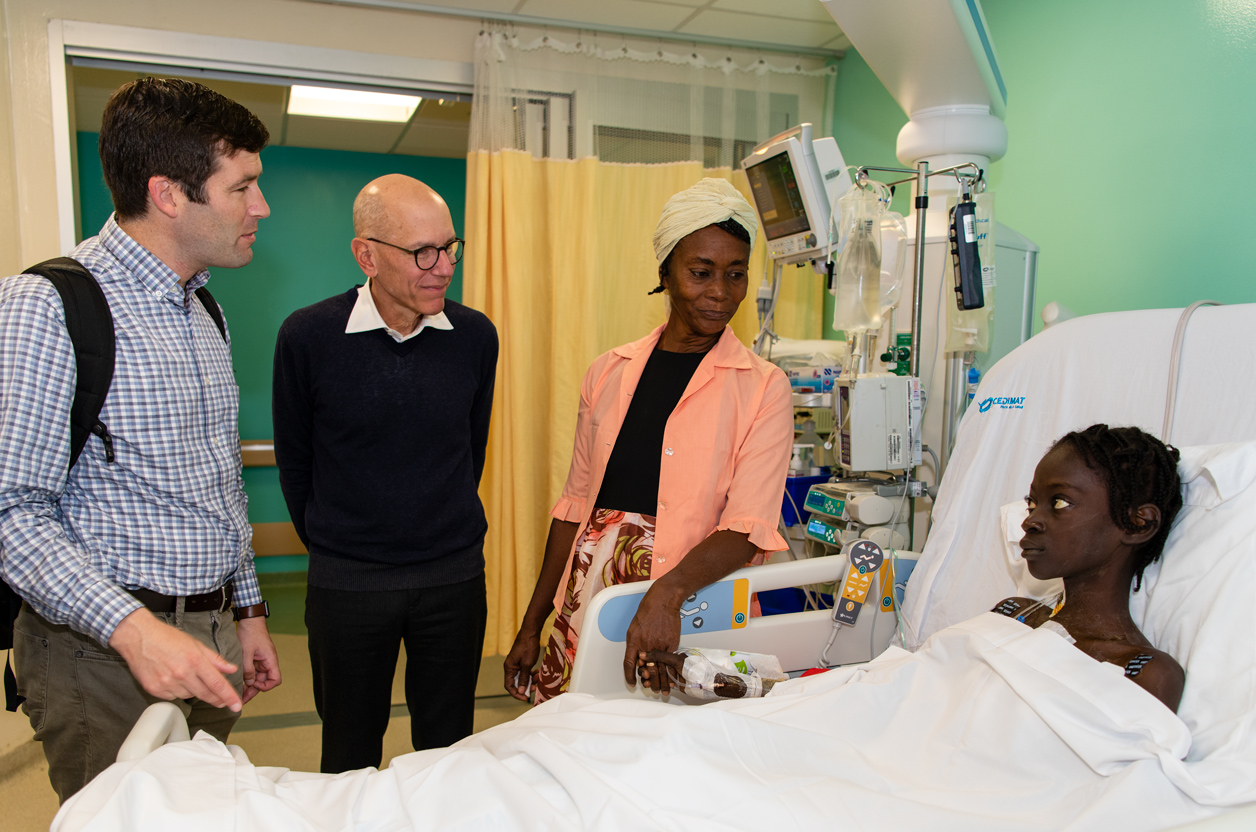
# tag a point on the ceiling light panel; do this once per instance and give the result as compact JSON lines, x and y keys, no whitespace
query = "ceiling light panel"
{"x":328,"y":102}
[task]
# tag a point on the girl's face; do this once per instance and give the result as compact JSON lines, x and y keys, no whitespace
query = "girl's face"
{"x":1069,"y":532}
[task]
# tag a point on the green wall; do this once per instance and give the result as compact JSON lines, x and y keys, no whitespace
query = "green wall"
{"x":1130,"y":127}
{"x":301,"y":256}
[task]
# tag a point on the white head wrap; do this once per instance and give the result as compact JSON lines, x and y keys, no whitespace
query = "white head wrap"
{"x":706,"y":203}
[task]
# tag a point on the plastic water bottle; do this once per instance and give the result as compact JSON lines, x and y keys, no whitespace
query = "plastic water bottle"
{"x":974,"y":378}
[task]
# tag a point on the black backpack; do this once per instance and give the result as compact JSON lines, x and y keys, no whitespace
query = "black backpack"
{"x":90,"y":325}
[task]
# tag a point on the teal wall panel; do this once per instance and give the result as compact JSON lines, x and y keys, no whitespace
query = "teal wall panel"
{"x":301,"y":256}
{"x":266,"y":503}
{"x":1129,"y":125}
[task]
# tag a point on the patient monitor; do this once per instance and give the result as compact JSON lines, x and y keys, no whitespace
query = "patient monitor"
{"x":795,"y":181}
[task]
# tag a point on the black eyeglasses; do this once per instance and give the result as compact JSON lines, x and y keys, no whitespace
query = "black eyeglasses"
{"x":425,"y":257}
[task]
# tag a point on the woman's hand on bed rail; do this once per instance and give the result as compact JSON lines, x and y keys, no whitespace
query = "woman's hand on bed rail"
{"x":654,"y":628}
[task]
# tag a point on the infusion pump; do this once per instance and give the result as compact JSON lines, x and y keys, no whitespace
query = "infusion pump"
{"x":877,"y":422}
{"x":842,"y":512}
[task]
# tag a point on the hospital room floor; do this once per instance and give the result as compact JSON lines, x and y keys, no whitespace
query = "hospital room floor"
{"x":279,"y":728}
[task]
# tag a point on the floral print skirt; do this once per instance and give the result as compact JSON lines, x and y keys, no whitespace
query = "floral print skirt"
{"x":617,"y":547}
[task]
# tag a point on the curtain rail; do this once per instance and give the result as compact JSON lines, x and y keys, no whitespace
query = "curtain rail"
{"x":555,"y":23}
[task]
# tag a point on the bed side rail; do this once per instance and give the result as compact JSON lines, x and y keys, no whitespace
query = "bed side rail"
{"x":710,"y":619}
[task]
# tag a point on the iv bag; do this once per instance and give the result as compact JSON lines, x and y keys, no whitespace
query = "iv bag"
{"x":858,"y":287}
{"x":858,"y":305}
{"x":969,"y":330}
{"x":893,"y":259}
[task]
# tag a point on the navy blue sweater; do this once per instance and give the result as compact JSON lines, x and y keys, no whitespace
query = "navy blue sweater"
{"x":380,"y":446}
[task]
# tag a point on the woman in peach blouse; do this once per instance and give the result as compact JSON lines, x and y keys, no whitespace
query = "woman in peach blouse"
{"x":682,"y":445}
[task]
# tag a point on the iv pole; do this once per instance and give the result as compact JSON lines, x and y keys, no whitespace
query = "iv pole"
{"x":921,"y":177}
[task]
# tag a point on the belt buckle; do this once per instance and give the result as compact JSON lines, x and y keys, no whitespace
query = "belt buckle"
{"x":223,"y":602}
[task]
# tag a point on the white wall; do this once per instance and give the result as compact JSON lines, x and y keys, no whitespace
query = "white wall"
{"x":8,"y":172}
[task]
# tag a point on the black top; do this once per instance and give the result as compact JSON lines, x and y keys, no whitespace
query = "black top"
{"x":380,"y":446}
{"x":631,"y":482}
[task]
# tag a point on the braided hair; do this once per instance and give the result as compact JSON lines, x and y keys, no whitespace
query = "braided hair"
{"x":730,"y":225}
{"x":1137,"y":469}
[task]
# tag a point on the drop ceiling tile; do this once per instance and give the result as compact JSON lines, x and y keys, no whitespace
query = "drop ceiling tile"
{"x":266,"y":101}
{"x":454,"y":112}
{"x":629,"y":13}
{"x":342,"y":134}
{"x":738,"y":26}
{"x":444,"y":139}
{"x":811,"y":10}
{"x":93,"y":86}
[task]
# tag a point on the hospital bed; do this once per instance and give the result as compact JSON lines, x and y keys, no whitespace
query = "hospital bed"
{"x":986,"y":712}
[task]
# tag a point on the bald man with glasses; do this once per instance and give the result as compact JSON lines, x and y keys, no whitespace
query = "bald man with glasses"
{"x":382,"y":398}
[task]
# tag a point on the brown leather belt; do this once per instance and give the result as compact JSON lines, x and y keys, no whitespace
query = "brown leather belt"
{"x":218,"y":600}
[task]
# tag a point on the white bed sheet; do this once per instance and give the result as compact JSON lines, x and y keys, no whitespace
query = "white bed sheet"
{"x":991,"y":725}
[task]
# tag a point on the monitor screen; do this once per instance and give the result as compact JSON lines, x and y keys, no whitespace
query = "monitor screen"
{"x":777,"y":197}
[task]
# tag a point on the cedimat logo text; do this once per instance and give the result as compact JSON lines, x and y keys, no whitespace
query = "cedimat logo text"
{"x":1002,"y":403}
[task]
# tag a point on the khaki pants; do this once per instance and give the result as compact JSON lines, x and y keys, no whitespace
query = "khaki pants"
{"x":82,"y":699}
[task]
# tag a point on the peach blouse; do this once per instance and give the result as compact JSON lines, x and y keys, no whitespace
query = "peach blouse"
{"x":726,"y":448}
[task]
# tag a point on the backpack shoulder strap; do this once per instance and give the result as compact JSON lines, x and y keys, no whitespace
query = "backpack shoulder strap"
{"x":90,"y":325}
{"x":211,"y":306}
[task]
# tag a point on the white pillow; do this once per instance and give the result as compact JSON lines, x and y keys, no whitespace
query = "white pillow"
{"x":1198,"y":601}
{"x":1012,"y":516}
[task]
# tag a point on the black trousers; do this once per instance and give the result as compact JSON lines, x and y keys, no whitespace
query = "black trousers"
{"x":355,"y":640}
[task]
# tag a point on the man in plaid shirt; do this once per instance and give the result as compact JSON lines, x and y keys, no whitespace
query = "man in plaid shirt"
{"x":131,"y":563}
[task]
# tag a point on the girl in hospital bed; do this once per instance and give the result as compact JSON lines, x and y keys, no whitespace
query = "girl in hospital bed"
{"x":1100,"y":507}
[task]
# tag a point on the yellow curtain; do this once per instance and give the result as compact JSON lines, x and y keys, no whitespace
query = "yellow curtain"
{"x":559,"y":258}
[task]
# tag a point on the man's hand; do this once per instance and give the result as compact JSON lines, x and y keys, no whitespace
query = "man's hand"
{"x":170,"y":664}
{"x":656,"y":626}
{"x":261,"y":660}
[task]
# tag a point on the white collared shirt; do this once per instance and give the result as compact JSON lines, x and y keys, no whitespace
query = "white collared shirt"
{"x":365,"y":317}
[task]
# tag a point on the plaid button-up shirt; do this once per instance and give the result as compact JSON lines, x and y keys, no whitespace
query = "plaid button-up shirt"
{"x":169,"y":514}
